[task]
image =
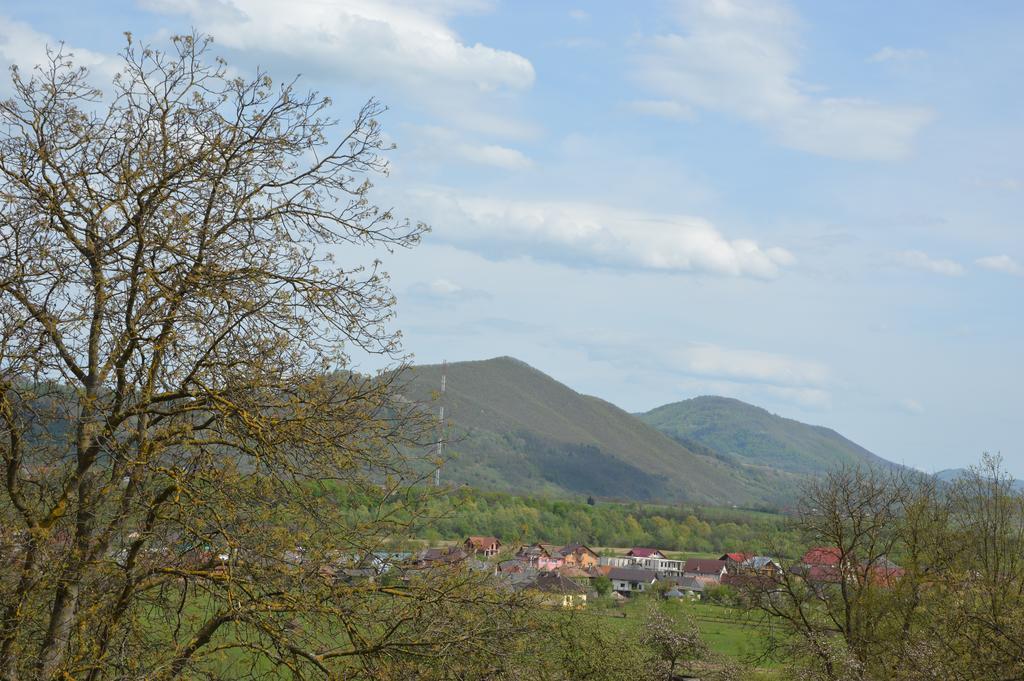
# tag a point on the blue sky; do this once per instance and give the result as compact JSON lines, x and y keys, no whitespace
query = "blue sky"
{"x":814,"y":207}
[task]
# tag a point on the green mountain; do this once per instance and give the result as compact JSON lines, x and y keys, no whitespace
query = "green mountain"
{"x":516,"y":429}
{"x":753,"y":437}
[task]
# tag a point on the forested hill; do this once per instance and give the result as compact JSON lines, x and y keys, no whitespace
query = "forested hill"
{"x":752,"y":436}
{"x":517,"y":429}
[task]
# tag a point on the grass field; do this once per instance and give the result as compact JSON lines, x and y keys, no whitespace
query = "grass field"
{"x":727,"y":631}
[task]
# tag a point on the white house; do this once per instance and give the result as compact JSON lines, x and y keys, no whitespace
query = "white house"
{"x":658,"y":564}
{"x":631,"y":580}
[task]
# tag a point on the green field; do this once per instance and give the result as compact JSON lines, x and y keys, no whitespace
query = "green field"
{"x":727,"y":631}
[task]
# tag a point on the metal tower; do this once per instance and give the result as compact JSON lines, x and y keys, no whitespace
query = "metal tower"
{"x":441,"y":424}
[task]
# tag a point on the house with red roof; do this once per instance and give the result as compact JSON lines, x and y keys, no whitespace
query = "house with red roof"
{"x":823,"y":556}
{"x":884,"y":572}
{"x":733,"y":561}
{"x":827,"y":564}
{"x":822,"y":565}
{"x":482,"y":546}
{"x":638,"y":552}
{"x":735,"y":557}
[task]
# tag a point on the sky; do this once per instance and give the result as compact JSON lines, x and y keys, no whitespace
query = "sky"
{"x":815,"y":207}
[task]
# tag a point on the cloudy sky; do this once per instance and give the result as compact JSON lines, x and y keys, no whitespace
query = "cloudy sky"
{"x":815,"y":207}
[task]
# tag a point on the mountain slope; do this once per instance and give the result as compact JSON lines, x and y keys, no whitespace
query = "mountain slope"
{"x":752,"y":436}
{"x":517,"y":429}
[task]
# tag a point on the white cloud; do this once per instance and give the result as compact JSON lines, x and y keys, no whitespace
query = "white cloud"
{"x":442,"y":292}
{"x":443,"y":287}
{"x":22,"y":45}
{"x":739,"y":57}
{"x":920,"y":260}
{"x":403,"y":43}
{"x":494,"y":155}
{"x":708,"y":368}
{"x":897,"y":54}
{"x":664,"y":108}
{"x":759,"y":394}
{"x":750,"y":365}
{"x":436,"y":142}
{"x":579,"y":14}
{"x":1001,"y":263}
{"x":593,"y":234}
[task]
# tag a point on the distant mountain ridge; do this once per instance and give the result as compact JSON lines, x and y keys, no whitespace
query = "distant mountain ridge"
{"x":516,"y":429}
{"x":754,"y":436}
{"x":954,"y":474}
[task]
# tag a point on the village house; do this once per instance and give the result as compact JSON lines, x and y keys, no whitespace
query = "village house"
{"x":446,"y":555}
{"x":546,"y":557}
{"x":826,"y":556}
{"x":664,"y":566}
{"x":884,"y":572}
{"x":822,"y":565}
{"x":704,"y":570}
{"x":576,"y":574}
{"x":631,"y":580}
{"x":828,"y":565}
{"x":654,"y":559}
{"x":578,"y":555}
{"x":615,"y":561}
{"x":684,"y":587}
{"x":482,"y":546}
{"x":559,"y":590}
{"x":518,"y":580}
{"x":760,"y":565}
{"x":541,"y":556}
{"x":645,"y":559}
{"x":351,"y":567}
{"x":733,"y":561}
{"x":513,"y":565}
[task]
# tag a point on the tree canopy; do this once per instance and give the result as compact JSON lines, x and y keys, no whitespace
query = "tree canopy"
{"x":175,"y":384}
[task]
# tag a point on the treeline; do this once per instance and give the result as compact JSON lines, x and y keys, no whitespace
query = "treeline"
{"x":528,"y":519}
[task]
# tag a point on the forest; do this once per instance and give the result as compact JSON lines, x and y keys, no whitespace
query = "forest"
{"x":525,"y":519}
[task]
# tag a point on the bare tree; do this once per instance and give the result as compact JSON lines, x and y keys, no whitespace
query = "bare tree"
{"x":925,"y":580}
{"x":175,"y":404}
{"x":974,"y":628}
{"x":843,"y":615}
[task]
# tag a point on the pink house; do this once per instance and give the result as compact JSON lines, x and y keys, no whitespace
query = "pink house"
{"x":541,"y":556}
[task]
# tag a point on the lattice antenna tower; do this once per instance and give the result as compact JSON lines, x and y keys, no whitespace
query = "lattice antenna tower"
{"x":440,"y":423}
